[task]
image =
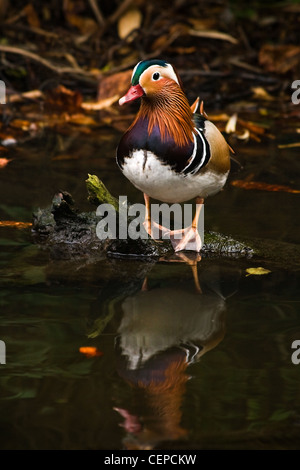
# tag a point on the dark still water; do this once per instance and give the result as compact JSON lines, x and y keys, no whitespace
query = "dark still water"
{"x":184,"y":355}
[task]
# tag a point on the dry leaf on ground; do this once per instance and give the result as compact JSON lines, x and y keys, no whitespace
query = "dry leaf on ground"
{"x":4,"y":162}
{"x":14,"y":224}
{"x":279,"y":58}
{"x":64,"y":98}
{"x":90,"y":351}
{"x":31,"y":15}
{"x":130,"y":21}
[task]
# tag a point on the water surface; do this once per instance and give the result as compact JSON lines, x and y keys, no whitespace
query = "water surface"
{"x":175,"y":368}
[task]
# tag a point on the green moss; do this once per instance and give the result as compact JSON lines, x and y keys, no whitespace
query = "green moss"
{"x":98,"y":193}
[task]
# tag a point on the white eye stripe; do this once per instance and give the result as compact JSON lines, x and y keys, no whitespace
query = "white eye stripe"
{"x":171,"y":73}
{"x":134,"y":70}
{"x":166,"y":71}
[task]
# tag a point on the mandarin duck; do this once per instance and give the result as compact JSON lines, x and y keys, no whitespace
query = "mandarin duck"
{"x":171,"y":152}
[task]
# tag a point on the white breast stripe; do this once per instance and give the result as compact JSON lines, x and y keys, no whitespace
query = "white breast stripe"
{"x":195,"y":152}
{"x":192,"y":157}
{"x":204,"y":152}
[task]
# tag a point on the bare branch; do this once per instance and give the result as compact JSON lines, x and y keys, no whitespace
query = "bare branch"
{"x":119,"y":11}
{"x":46,"y":63}
{"x":99,"y":17}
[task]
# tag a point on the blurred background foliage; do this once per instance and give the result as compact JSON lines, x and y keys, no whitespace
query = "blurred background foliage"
{"x":66,"y":63}
{"x":80,"y":40}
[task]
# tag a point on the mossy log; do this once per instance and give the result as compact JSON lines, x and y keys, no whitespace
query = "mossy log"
{"x":68,"y":232}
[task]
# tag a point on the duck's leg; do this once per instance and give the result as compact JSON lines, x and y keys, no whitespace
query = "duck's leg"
{"x":145,"y":285}
{"x":147,"y":221}
{"x":159,"y":231}
{"x":183,"y":239}
{"x":193,"y":263}
{"x":196,"y":278}
{"x":190,"y":239}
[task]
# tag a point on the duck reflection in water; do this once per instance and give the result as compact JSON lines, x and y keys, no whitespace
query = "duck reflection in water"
{"x":163,"y":331}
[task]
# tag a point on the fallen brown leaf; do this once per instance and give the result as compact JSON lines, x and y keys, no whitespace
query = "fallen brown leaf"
{"x":66,"y":156}
{"x":203,"y":24}
{"x":128,"y":22}
{"x":231,"y":124}
{"x":101,"y":104}
{"x":90,"y":351}
{"x":112,"y":85}
{"x":261,"y":94}
{"x":14,"y":224}
{"x":183,"y":50}
{"x":82,"y":119}
{"x":243,"y":130}
{"x":289,"y":146}
{"x":33,"y":94}
{"x":85,"y":25}
{"x":4,"y":5}
{"x":244,"y":135}
{"x":4,"y":162}
{"x":279,"y":58}
{"x":62,"y":97}
{"x":219,"y":117}
{"x":32,"y":16}
{"x":159,"y":42}
{"x":255,"y":128}
{"x":120,"y":122}
{"x":20,"y":124}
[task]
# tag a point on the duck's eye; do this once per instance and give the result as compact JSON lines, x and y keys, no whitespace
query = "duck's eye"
{"x":156,"y":76}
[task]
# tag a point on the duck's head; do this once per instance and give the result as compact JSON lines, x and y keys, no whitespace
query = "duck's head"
{"x":149,"y":77}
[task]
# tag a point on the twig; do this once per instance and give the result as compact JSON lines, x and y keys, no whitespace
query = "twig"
{"x":119,"y":11}
{"x":238,"y":63}
{"x":213,"y":35}
{"x":31,"y":29}
{"x":99,"y":17}
{"x":106,"y":103}
{"x":44,"y":62}
{"x":16,"y":17}
{"x":203,"y":73}
{"x":69,"y":57}
{"x":31,"y":95}
{"x":156,"y":53}
{"x":244,"y":38}
{"x":256,"y":75}
{"x":178,"y":33}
